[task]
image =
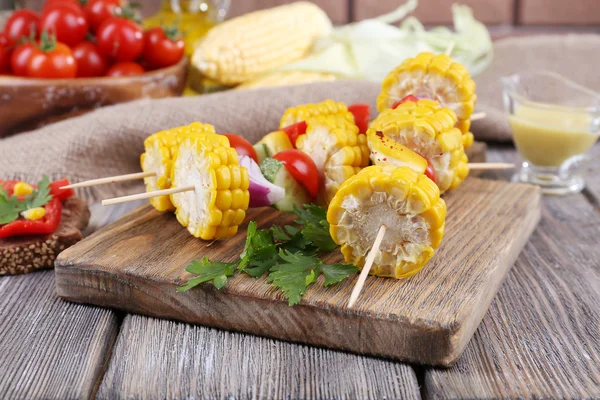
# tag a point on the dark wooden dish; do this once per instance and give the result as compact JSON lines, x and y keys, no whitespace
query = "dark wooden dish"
{"x":27,"y":103}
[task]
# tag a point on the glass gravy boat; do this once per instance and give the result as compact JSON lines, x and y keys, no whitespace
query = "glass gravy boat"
{"x":554,"y":121}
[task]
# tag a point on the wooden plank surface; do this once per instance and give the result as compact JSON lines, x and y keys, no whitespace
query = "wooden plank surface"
{"x":50,"y":348}
{"x":558,"y":12}
{"x":136,"y":264}
{"x":540,"y":337}
{"x":158,"y":359}
{"x":439,"y":11}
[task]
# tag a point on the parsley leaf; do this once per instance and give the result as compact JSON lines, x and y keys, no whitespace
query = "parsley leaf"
{"x":9,"y":207}
{"x":214,"y":271}
{"x":335,"y":273}
{"x":259,"y":248}
{"x":294,"y":274}
{"x":40,"y":196}
{"x":316,"y":227}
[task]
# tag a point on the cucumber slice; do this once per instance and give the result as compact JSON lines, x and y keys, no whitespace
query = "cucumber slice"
{"x":262,"y":151}
{"x":295,"y":194}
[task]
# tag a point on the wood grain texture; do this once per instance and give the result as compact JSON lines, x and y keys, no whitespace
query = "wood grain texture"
{"x":440,"y":11}
{"x":50,"y":349}
{"x":540,"y":337}
{"x":182,"y":361}
{"x":557,"y":12}
{"x":136,"y":263}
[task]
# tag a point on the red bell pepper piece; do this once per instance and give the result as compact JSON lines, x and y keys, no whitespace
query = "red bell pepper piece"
{"x":61,"y":194}
{"x":295,"y":130}
{"x":362,"y":116}
{"x":45,"y":226}
{"x":408,"y":98}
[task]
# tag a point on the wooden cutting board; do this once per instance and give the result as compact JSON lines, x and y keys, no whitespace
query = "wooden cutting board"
{"x":136,"y":264}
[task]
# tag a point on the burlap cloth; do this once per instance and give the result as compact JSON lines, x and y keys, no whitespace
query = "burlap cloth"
{"x":109,"y":141}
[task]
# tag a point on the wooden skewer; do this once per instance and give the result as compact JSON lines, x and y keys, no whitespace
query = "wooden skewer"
{"x":148,"y":195}
{"x":491,"y":165}
{"x":477,"y":116}
{"x":110,"y":179}
{"x":368,"y":264}
{"x":450,"y":48}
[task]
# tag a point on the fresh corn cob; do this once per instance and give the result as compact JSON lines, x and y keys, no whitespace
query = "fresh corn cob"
{"x":293,"y":115}
{"x":218,"y":204}
{"x":158,"y":158}
{"x":427,"y":129}
{"x":435,"y":77}
{"x":405,"y":201}
{"x":384,"y":150}
{"x":243,"y":47}
{"x":337,"y":149}
{"x":286,"y":78}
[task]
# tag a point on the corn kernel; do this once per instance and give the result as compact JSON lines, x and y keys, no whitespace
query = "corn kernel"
{"x":34,"y":214}
{"x":22,"y":189}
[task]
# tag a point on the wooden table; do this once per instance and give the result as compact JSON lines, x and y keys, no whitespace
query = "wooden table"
{"x":540,"y":338}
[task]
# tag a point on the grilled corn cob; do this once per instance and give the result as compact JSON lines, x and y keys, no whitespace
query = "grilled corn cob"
{"x":337,"y":149}
{"x":427,"y":129}
{"x":218,"y":203}
{"x":286,"y":78}
{"x":293,"y":115}
{"x":243,"y":47}
{"x":435,"y":77}
{"x":405,"y":201}
{"x":158,"y":158}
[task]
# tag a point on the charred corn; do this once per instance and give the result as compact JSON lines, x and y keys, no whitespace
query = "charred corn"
{"x":435,"y":77}
{"x":405,"y":201}
{"x":158,"y":158}
{"x":428,"y":130}
{"x":241,"y":48}
{"x":337,"y":149}
{"x":286,"y":78}
{"x":218,"y":203}
{"x":293,"y":115}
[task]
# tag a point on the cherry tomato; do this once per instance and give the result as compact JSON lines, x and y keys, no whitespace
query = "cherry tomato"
{"x":408,"y":98}
{"x":163,"y":48}
{"x":5,"y":53}
{"x":362,"y":116}
{"x":302,"y":168}
{"x":120,"y":38}
{"x":241,"y":145}
{"x":55,"y":61}
{"x":430,"y":172}
{"x":67,"y":21}
{"x":127,"y":68}
{"x":21,"y":24}
{"x":295,"y":130}
{"x":90,"y":61}
{"x":20,"y":58}
{"x":98,"y":11}
{"x":51,"y":3}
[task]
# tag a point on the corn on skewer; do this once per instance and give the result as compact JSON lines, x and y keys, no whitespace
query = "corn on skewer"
{"x":110,"y":179}
{"x":147,"y":195}
{"x":478,"y":115}
{"x":368,"y":264}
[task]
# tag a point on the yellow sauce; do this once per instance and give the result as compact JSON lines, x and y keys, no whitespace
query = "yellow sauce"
{"x":194,"y":19}
{"x":547,"y":138}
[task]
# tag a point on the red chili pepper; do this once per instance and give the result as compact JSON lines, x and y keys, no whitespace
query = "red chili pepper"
{"x":362,"y":116}
{"x":408,"y":98}
{"x":45,"y":226}
{"x":295,"y":130}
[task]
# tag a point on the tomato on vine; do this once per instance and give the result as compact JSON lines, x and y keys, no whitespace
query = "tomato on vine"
{"x":19,"y":58}
{"x":5,"y":53}
{"x":51,"y":59}
{"x":90,"y":60}
{"x":163,"y":46}
{"x":120,"y":38}
{"x":67,"y":21}
{"x":21,"y":24}
{"x":98,"y":11}
{"x":127,"y":68}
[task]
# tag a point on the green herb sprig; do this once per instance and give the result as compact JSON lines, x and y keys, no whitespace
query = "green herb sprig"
{"x":288,"y":256}
{"x":11,"y":206}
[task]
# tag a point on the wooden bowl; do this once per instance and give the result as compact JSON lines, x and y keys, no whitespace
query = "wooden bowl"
{"x":27,"y":103}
